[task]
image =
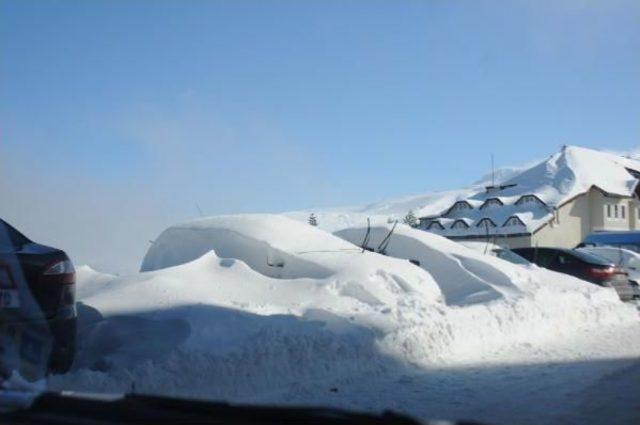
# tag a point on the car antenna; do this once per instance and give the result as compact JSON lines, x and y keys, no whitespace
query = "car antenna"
{"x":199,"y":210}
{"x":493,"y":172}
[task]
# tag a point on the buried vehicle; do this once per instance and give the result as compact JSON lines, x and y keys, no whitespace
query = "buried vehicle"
{"x":497,"y":251}
{"x":37,"y":303}
{"x":583,"y":265}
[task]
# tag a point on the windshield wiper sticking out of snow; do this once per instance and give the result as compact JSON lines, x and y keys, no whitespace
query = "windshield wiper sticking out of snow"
{"x":382,"y":248}
{"x":367,"y":236}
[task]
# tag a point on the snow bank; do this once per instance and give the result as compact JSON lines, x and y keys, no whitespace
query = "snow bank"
{"x":254,"y":304}
{"x":90,"y":281}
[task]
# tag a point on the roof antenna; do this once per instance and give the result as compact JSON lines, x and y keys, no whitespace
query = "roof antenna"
{"x":493,"y":172}
{"x":487,"y":240}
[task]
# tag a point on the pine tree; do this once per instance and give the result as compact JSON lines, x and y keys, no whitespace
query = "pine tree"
{"x":313,"y":220}
{"x":410,"y":219}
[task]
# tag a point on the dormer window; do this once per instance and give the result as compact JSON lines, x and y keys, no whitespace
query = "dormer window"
{"x":435,"y":225}
{"x":486,"y":223}
{"x":460,"y":206}
{"x":513,"y":221}
{"x":491,"y":203}
{"x":459,"y":224}
{"x":529,"y":200}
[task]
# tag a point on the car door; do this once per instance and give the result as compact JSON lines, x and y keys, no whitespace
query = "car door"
{"x":544,"y":257}
{"x":566,"y":263}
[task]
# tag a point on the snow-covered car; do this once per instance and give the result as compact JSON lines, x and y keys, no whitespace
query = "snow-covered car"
{"x":496,"y":251}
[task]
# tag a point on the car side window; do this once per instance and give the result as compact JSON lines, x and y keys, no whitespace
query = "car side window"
{"x":563,"y":259}
{"x":543,"y":257}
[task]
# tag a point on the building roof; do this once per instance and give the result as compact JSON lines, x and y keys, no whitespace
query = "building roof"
{"x":562,"y":177}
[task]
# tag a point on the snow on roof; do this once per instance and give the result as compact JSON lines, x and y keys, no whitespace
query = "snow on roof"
{"x":569,"y":173}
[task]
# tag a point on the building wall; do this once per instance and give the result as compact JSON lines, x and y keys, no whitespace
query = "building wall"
{"x":634,"y":214}
{"x":574,"y":220}
{"x":600,"y":220}
{"x":571,"y":224}
{"x":509,"y":242}
{"x":586,"y":214}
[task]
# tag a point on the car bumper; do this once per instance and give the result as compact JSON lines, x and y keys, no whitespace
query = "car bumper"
{"x":63,"y":330}
{"x":626,"y":292}
{"x":42,"y":345}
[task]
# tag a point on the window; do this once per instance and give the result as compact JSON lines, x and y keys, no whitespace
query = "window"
{"x":486,"y":222}
{"x":512,"y":257}
{"x":461,"y":206}
{"x":565,"y":259}
{"x":529,"y":199}
{"x":435,"y":225}
{"x":617,"y":212}
{"x":543,"y":257}
{"x":513,"y":221}
{"x":493,"y":202}
{"x":459,"y":224}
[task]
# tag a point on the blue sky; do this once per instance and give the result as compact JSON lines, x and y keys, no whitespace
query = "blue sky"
{"x":147,"y":108}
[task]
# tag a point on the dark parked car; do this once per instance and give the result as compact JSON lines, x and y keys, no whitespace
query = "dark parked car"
{"x":582,"y":265}
{"x":37,"y":291}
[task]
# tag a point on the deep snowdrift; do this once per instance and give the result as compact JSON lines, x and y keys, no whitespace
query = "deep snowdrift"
{"x":291,"y":303}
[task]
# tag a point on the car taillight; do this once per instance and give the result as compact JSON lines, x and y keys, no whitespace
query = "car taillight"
{"x":601,"y":274}
{"x":59,"y":272}
{"x":60,"y":267}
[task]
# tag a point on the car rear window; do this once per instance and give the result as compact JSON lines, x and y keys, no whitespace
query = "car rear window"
{"x":508,"y":255}
{"x":10,"y":237}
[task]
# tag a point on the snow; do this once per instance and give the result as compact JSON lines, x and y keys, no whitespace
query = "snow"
{"x":92,"y":281}
{"x":264,"y":308}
